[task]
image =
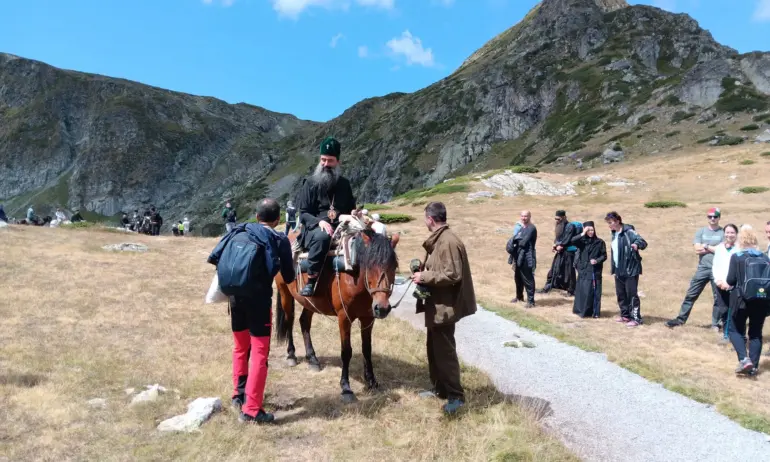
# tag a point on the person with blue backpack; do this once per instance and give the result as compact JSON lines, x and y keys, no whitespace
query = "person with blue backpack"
{"x":562,"y":273}
{"x":748,"y":279}
{"x":247,"y":260}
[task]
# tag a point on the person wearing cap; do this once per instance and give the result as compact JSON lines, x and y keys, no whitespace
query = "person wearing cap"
{"x":378,"y":226}
{"x":626,"y":266}
{"x":562,"y":272}
{"x":705,"y":242}
{"x":589,"y":261}
{"x":323,"y":198}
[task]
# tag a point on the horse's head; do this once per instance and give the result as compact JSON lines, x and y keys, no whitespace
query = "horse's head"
{"x":378,"y":263}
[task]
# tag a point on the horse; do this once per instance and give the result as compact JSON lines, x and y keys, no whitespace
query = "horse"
{"x":362,"y":294}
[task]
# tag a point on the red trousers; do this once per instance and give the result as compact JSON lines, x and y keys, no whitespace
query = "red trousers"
{"x":251,"y":323}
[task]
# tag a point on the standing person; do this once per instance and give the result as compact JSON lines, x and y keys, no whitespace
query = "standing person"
{"x":749,"y":279}
{"x":156,"y":221}
{"x":562,"y":272}
{"x":251,"y":316}
{"x":229,"y":216}
{"x":291,"y":217}
{"x":323,"y":198}
{"x":186,"y":225}
{"x":706,"y":240}
{"x":719,"y":268}
{"x":626,"y":267}
{"x":447,"y":275}
{"x":180,"y":227}
{"x":3,"y":217}
{"x":767,"y":235}
{"x":124,"y":221}
{"x":589,"y":261}
{"x":524,"y":258}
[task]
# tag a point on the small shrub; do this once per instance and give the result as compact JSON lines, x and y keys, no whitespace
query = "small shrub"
{"x":754,"y":189}
{"x":747,"y":162}
{"x":682,"y":115}
{"x":617,"y":147}
{"x":750,"y":127}
{"x":705,"y":140}
{"x":765,"y":154}
{"x":670,"y":100}
{"x":729,"y":141}
{"x":674,"y":133}
{"x":620,"y":136}
{"x":82,"y":225}
{"x":524,"y":169}
{"x":388,"y":218}
{"x":761,"y":117}
{"x":713,"y":125}
{"x":647,"y":118}
{"x":664,"y":204}
{"x":375,"y":207}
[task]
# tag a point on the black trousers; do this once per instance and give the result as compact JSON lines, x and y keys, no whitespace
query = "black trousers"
{"x":443,"y":363}
{"x":525,"y":280}
{"x":755,"y":313}
{"x":155,"y":229}
{"x":290,"y":225}
{"x":562,"y":274}
{"x":317,"y":243}
{"x":628,"y":297}
{"x":723,"y":305}
{"x":252,"y":314}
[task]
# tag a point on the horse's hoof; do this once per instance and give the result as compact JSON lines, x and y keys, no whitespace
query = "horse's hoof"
{"x":291,"y":362}
{"x":314,"y":367}
{"x":348,"y":398}
{"x":373,"y":386}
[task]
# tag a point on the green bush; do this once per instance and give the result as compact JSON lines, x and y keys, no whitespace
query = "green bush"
{"x":765,"y":154}
{"x":750,"y":127}
{"x":375,"y":207}
{"x":619,"y":136}
{"x":82,"y":225}
{"x":443,"y":188}
{"x":674,"y":133}
{"x":395,"y":218}
{"x":647,"y":118}
{"x":761,"y":117}
{"x":664,"y":204}
{"x":705,"y":140}
{"x":682,"y":115}
{"x":523,"y":169}
{"x":747,"y":162}
{"x":729,"y":141}
{"x":754,"y":189}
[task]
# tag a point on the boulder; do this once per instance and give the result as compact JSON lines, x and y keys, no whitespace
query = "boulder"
{"x":519,"y":184}
{"x":480,"y":194}
{"x":763,"y":137}
{"x":150,"y":394}
{"x":126,"y":247}
{"x":610,"y":155}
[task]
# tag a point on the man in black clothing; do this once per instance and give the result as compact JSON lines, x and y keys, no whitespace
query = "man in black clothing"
{"x":291,"y":217}
{"x":156,"y":220}
{"x":562,"y":272}
{"x":525,"y":259}
{"x":323,"y":198}
{"x":626,"y":267}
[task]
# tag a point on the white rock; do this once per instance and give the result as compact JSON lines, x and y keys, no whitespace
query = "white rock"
{"x":520,"y":184}
{"x":764,"y":137}
{"x":150,"y":394}
{"x":99,"y":403}
{"x":126,"y":247}
{"x":733,"y":176}
{"x":130,"y":391}
{"x":479,"y":194}
{"x":594,"y":179}
{"x":197,"y":413}
{"x":3,"y":224}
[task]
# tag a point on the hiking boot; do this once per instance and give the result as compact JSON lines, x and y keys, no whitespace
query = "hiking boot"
{"x":753,"y":372}
{"x":674,"y":323}
{"x":744,"y":367}
{"x":309,"y":288}
{"x":260,"y":418}
{"x":452,"y":406}
{"x":517,"y":300}
{"x":622,"y":319}
{"x":238,"y":401}
{"x":632,"y":323}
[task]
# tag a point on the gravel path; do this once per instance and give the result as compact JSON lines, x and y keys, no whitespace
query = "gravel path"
{"x":601,"y":411}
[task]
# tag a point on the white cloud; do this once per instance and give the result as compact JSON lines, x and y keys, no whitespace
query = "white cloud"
{"x":293,"y":8}
{"x":762,"y":13}
{"x":336,"y":39}
{"x":224,"y":3}
{"x":363,"y":51}
{"x":410,"y":47}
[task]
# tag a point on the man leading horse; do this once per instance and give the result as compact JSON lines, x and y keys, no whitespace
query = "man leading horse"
{"x":323,"y":198}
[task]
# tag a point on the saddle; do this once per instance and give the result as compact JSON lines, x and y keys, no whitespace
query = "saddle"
{"x":342,"y":252}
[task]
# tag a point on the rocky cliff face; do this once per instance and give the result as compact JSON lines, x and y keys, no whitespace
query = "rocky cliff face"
{"x":568,"y":77}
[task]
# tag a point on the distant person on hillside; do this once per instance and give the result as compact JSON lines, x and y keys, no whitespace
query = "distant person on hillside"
{"x":180,"y":227}
{"x":721,"y":264}
{"x":562,"y":272}
{"x":156,"y":221}
{"x":589,"y":261}
{"x":186,"y":225}
{"x":77,"y":217}
{"x":124,"y":221}
{"x":523,"y":258}
{"x":291,"y":217}
{"x":767,"y":235}
{"x":60,"y":215}
{"x":229,"y":216}
{"x":3,"y":217}
{"x":626,"y":267}
{"x":706,"y":240}
{"x":749,"y":278}
{"x":31,"y":218}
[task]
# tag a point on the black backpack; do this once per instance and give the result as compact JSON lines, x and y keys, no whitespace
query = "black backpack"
{"x":756,"y":282}
{"x":231,"y":216}
{"x":246,"y":268}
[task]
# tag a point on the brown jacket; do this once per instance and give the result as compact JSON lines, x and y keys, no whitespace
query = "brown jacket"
{"x":447,"y":276}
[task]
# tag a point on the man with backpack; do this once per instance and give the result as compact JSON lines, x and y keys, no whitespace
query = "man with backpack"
{"x":247,"y":260}
{"x":562,"y":272}
{"x":229,"y":216}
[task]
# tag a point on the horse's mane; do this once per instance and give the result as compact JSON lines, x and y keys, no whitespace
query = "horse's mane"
{"x":379,"y":254}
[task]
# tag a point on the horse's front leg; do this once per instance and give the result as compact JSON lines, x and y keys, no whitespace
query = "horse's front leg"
{"x":305,"y":321}
{"x":347,"y":352}
{"x":367,"y":325}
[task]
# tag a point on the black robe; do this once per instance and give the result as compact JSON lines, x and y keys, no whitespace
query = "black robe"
{"x":314,"y":205}
{"x":562,"y":272}
{"x":588,"y":292}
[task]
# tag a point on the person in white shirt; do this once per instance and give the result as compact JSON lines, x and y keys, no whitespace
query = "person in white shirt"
{"x":721,"y":264}
{"x":186,"y":225}
{"x":378,"y":226}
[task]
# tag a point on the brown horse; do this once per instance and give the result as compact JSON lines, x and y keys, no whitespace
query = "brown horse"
{"x":363,"y":294}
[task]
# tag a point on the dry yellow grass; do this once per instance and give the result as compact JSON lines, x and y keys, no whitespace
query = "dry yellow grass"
{"x":78,"y":322}
{"x":689,"y":360}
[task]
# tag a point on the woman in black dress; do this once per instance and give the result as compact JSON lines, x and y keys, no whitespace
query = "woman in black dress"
{"x":589,"y":262}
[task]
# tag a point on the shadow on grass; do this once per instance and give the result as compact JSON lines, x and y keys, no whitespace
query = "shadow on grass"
{"x":22,"y":380}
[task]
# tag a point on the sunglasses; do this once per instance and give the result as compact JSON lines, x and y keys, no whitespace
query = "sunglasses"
{"x":712,"y":217}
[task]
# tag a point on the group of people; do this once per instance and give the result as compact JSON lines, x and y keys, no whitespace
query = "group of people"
{"x":148,"y":222}
{"x":578,"y":264}
{"x":323,"y":198}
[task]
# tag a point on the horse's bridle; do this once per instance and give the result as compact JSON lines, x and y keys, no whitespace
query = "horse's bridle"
{"x":388,"y":290}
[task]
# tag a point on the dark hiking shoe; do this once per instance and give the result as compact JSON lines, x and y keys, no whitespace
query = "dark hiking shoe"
{"x":674,"y":323}
{"x":753,"y":372}
{"x":744,"y":367}
{"x":517,"y":300}
{"x":238,"y":401}
{"x":452,"y":406}
{"x":260,"y":418}
{"x":309,"y":288}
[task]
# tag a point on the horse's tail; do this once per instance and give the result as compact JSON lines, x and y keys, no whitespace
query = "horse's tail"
{"x":282,"y":327}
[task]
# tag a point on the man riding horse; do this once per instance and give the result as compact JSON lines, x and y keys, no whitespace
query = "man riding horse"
{"x":323,"y":198}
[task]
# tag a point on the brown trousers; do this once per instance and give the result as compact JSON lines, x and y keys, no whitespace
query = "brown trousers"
{"x":443,"y":363}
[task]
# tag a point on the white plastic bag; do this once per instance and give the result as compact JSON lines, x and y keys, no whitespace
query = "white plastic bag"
{"x":215,"y":295}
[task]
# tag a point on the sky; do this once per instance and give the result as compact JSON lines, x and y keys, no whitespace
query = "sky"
{"x":310,"y":58}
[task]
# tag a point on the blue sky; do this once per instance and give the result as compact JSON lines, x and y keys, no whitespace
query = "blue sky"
{"x":311,"y":58}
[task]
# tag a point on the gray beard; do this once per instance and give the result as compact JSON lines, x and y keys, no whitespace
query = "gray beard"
{"x":326,"y":178}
